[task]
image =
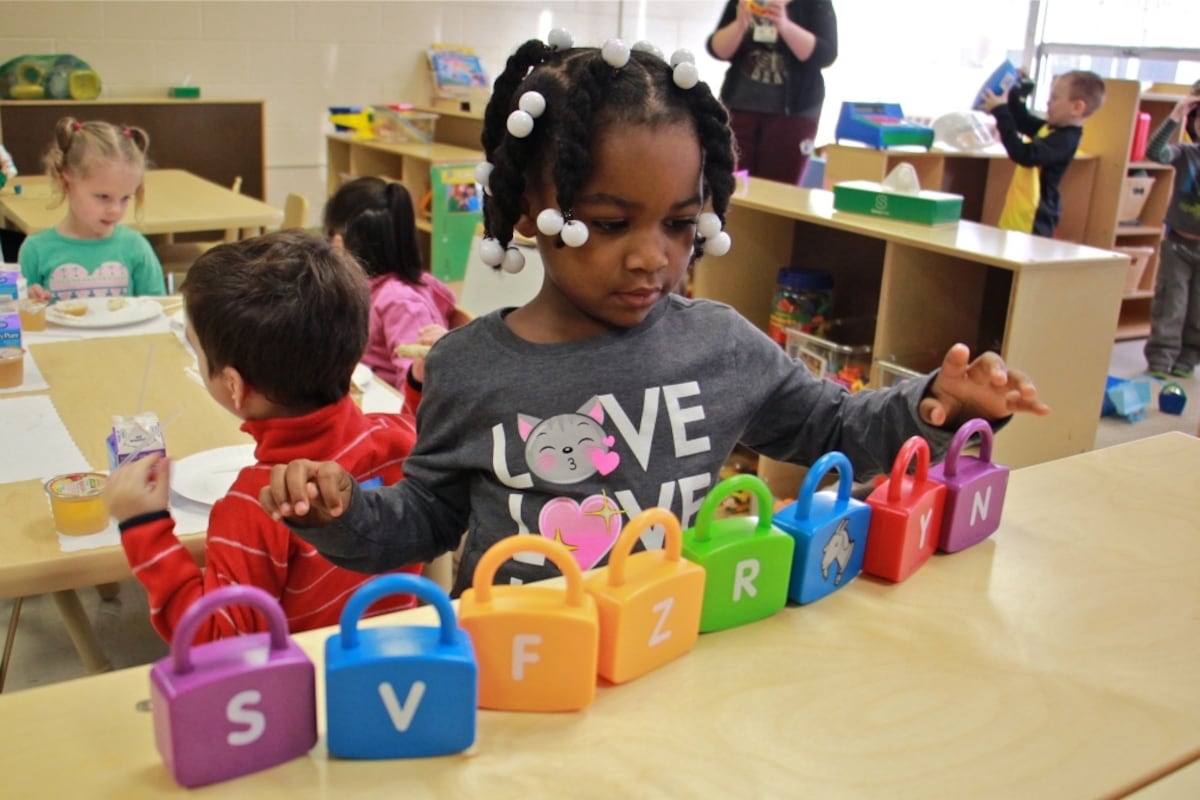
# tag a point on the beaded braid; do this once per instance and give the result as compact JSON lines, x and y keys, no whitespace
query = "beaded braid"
{"x":582,"y":93}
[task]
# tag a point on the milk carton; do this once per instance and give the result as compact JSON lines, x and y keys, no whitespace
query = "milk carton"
{"x":10,"y":277}
{"x":10,"y":323}
{"x":134,"y":437}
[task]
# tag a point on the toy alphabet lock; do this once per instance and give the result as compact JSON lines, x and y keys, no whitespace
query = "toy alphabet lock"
{"x":536,"y":645}
{"x":906,"y":516}
{"x":830,"y":529}
{"x":399,"y":691}
{"x":233,"y":706}
{"x":649,"y":602}
{"x":746,"y":560}
{"x":974,"y":489}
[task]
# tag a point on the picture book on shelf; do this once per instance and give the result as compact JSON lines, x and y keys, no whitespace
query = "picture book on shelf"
{"x":456,"y":69}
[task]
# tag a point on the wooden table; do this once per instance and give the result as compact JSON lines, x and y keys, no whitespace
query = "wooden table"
{"x":90,"y":380}
{"x":176,"y":202}
{"x":1057,"y":659}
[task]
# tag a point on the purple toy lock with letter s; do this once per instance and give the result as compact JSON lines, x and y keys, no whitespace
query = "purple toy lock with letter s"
{"x":975,"y":489}
{"x":233,"y":706}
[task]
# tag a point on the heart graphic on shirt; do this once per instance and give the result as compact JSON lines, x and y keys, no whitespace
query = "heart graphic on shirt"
{"x":605,"y":461}
{"x":587,"y":529}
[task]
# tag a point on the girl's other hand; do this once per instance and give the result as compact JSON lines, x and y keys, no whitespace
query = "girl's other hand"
{"x":307,"y":493}
{"x":36,"y":292}
{"x":985,"y":388}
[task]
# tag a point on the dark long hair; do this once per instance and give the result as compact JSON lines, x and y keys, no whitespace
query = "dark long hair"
{"x":378,"y":226}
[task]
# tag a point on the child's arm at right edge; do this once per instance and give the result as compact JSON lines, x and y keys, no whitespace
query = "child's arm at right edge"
{"x":1159,"y":147}
{"x":367,"y":531}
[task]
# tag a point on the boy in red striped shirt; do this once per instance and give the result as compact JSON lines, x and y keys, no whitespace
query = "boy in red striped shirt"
{"x":278,"y":324}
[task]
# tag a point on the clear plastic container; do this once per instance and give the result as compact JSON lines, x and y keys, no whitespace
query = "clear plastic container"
{"x":843,"y":355}
{"x":399,"y":124}
{"x":894,"y":369}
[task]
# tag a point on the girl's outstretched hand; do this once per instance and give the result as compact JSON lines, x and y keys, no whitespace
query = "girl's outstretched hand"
{"x":985,"y":388}
{"x":307,"y":493}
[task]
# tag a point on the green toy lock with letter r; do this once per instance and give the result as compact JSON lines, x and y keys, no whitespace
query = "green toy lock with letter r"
{"x":747,"y":561}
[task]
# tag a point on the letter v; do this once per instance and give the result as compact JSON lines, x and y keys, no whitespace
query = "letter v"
{"x":401,"y":715}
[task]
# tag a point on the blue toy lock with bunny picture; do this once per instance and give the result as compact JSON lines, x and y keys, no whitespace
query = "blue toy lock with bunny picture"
{"x":830,"y":529}
{"x":399,"y":691}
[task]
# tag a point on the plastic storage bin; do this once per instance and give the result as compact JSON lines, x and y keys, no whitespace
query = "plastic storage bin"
{"x":1139,"y":258}
{"x":895,"y":369}
{"x":1135,"y":191}
{"x":843,"y":355}
{"x":400,"y":124}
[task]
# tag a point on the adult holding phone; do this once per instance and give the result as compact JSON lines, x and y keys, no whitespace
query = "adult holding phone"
{"x":774,"y":87}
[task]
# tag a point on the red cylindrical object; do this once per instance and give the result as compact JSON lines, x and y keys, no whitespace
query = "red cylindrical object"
{"x":1141,"y":133}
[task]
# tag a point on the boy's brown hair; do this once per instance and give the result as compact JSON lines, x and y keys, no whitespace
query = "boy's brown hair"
{"x":287,"y":310}
{"x":1087,"y":86}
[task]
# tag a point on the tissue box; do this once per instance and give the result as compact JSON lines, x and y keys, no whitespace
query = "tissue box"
{"x":134,"y":437}
{"x":924,"y":207}
{"x":10,"y":275}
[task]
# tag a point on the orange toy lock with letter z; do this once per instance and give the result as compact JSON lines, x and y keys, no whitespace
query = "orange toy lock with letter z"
{"x":649,"y":602}
{"x":906,"y":516}
{"x":536,"y":646}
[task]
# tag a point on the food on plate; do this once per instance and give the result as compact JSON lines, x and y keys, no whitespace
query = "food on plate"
{"x":412,"y":350}
{"x":76,"y":308}
{"x":116,"y":303}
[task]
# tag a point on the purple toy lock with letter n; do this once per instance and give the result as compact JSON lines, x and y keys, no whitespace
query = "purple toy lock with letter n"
{"x":234,"y":706}
{"x":974,"y":489}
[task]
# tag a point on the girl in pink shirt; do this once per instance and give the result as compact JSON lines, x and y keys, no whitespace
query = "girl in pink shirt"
{"x":374,"y":220}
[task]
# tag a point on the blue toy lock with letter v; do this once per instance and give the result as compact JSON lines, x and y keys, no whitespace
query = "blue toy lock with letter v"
{"x":830,"y":529}
{"x":399,"y":691}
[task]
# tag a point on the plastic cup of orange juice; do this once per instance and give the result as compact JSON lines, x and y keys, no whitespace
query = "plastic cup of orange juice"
{"x":12,"y":367}
{"x":77,"y":503}
{"x":33,"y":314}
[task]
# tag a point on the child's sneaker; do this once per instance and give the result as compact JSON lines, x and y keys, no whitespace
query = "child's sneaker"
{"x":1180,"y":371}
{"x":1158,"y":374}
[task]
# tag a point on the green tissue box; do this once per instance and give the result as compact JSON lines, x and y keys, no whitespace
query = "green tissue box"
{"x":924,"y":207}
{"x":185,"y":92}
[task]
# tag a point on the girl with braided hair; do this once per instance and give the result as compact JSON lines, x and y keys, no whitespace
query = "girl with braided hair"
{"x":606,"y":393}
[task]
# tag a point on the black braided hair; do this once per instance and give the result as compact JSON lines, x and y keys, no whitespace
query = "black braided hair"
{"x":585,"y":95}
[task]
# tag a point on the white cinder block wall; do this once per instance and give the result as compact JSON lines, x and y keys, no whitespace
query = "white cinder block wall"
{"x":303,"y":56}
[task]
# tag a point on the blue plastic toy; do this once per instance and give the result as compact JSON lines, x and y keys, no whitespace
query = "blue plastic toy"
{"x":1130,"y":399}
{"x":1172,"y":398}
{"x":1001,"y":80}
{"x":399,"y":691}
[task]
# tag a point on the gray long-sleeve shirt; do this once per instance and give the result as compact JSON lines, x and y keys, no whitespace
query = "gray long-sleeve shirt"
{"x":572,"y":440}
{"x":1183,"y":214}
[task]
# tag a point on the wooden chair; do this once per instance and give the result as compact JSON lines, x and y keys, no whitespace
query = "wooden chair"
{"x":295,"y":211}
{"x":177,"y":257}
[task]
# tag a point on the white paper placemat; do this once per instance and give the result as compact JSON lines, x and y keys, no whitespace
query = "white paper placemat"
{"x":34,"y":380}
{"x":36,"y":442}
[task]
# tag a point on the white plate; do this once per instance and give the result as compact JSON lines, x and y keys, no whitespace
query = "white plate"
{"x":205,"y":477}
{"x":177,"y":320}
{"x":135,"y":310}
{"x":362,"y":376}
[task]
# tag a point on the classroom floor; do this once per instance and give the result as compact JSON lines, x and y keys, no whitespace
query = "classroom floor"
{"x":43,"y":654}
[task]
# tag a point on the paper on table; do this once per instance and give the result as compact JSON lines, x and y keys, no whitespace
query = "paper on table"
{"x":36,"y":443}
{"x":190,"y":517}
{"x":34,"y":380}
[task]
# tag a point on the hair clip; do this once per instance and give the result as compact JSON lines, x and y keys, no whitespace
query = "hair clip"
{"x":494,"y":254}
{"x":685,"y":75}
{"x":520,"y":124}
{"x":128,"y":134}
{"x":550,"y":222}
{"x":574,"y":233}
{"x":716,"y":240}
{"x":75,"y":126}
{"x":647,"y":47}
{"x":615,"y":53}
{"x":532,"y":103}
{"x":483,"y":175}
{"x":682,"y":55}
{"x":560,"y":39}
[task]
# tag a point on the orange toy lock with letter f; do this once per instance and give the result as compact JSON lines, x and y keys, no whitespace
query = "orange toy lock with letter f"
{"x":906,"y":516}
{"x":649,"y":602}
{"x":536,"y":646}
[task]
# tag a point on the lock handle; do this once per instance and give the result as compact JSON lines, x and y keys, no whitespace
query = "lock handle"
{"x":387,"y":585}
{"x":738,"y":483}
{"x":238,"y":595}
{"x":962,"y":436}
{"x":509,"y":546}
{"x":831,"y":460}
{"x":917,"y":447}
{"x":672,"y":543}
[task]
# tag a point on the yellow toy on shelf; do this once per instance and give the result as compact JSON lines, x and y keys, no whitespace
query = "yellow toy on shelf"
{"x":360,"y":122}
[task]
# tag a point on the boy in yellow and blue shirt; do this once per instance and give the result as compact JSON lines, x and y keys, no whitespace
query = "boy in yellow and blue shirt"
{"x":1041,"y":148}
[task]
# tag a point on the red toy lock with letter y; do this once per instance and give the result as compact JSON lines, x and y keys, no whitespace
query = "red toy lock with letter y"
{"x":906,"y":516}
